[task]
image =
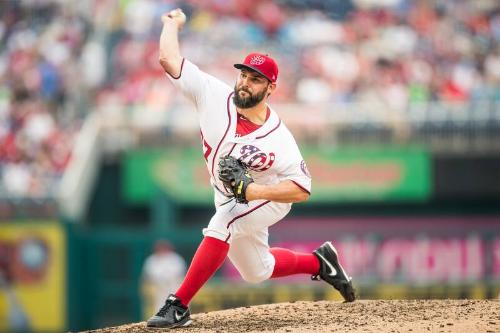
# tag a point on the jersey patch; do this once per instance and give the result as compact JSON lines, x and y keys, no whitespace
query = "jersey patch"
{"x":256,"y":159}
{"x":304,"y":169}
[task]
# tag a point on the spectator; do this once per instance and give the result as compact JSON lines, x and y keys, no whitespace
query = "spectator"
{"x":162,"y":274}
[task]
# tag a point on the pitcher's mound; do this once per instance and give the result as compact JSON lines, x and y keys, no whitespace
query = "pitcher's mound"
{"x":361,"y":316}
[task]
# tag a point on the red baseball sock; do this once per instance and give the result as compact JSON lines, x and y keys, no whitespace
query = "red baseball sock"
{"x":289,"y":263}
{"x":206,"y":261}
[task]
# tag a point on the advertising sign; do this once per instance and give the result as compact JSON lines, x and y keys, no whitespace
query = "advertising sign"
{"x":369,"y":174}
{"x":181,"y":172}
{"x":32,"y":277}
{"x":400,"y":250}
{"x":378,"y":174}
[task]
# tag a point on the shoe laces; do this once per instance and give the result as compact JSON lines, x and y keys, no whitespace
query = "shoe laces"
{"x":163,"y":311}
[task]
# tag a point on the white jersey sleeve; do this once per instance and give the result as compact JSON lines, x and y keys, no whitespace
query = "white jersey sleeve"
{"x":295,"y":168}
{"x":196,"y":84}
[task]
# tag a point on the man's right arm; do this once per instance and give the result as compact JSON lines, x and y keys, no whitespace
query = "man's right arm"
{"x":169,"y":54}
{"x":186,"y":76}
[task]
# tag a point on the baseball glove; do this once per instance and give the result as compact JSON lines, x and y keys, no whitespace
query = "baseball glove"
{"x":233,"y":174}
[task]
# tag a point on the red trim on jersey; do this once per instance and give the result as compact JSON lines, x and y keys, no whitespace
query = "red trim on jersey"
{"x":232,"y":148}
{"x":244,"y":214}
{"x":180,"y":73}
{"x":245,"y":126}
{"x":227,"y":129}
{"x":274,"y":129}
{"x":301,"y":187}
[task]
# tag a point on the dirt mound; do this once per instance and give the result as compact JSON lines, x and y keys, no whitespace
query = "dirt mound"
{"x":361,"y":316}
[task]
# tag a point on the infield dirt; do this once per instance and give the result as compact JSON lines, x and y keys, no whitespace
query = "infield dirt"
{"x":363,"y":316}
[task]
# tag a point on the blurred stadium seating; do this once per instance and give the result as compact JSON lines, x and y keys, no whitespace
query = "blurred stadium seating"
{"x":401,"y":71}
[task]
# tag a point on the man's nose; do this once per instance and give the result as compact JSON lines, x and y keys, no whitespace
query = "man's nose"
{"x":244,"y":82}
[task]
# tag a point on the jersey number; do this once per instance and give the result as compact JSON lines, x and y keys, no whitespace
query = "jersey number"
{"x":206,"y":147}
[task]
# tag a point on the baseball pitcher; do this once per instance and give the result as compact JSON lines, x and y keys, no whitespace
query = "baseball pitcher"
{"x":256,"y":171}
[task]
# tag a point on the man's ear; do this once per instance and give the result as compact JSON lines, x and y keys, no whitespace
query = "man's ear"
{"x":270,"y":89}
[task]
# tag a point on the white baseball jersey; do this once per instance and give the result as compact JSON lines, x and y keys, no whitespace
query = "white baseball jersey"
{"x":270,"y":152}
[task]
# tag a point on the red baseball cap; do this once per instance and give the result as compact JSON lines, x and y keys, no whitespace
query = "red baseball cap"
{"x":262,"y":64}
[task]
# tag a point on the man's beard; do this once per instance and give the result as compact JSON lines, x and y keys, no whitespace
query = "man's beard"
{"x":247,"y":102}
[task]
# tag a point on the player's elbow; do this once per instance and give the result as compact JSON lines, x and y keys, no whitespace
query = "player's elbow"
{"x":165,"y":63}
{"x":171,"y":64}
{"x":302,"y":196}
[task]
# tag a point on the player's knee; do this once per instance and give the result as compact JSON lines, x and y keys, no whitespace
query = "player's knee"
{"x":256,"y":277}
{"x":253,"y":278}
{"x":216,"y":229}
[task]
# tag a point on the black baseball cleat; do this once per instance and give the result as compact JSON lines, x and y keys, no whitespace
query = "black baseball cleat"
{"x":172,"y":314}
{"x":332,"y":272}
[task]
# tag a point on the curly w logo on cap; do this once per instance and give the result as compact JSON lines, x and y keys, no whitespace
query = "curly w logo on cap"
{"x":257,"y":60}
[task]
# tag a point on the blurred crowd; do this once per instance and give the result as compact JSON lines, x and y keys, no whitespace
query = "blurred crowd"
{"x":59,"y":58}
{"x":40,"y":46}
{"x":390,"y":52}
